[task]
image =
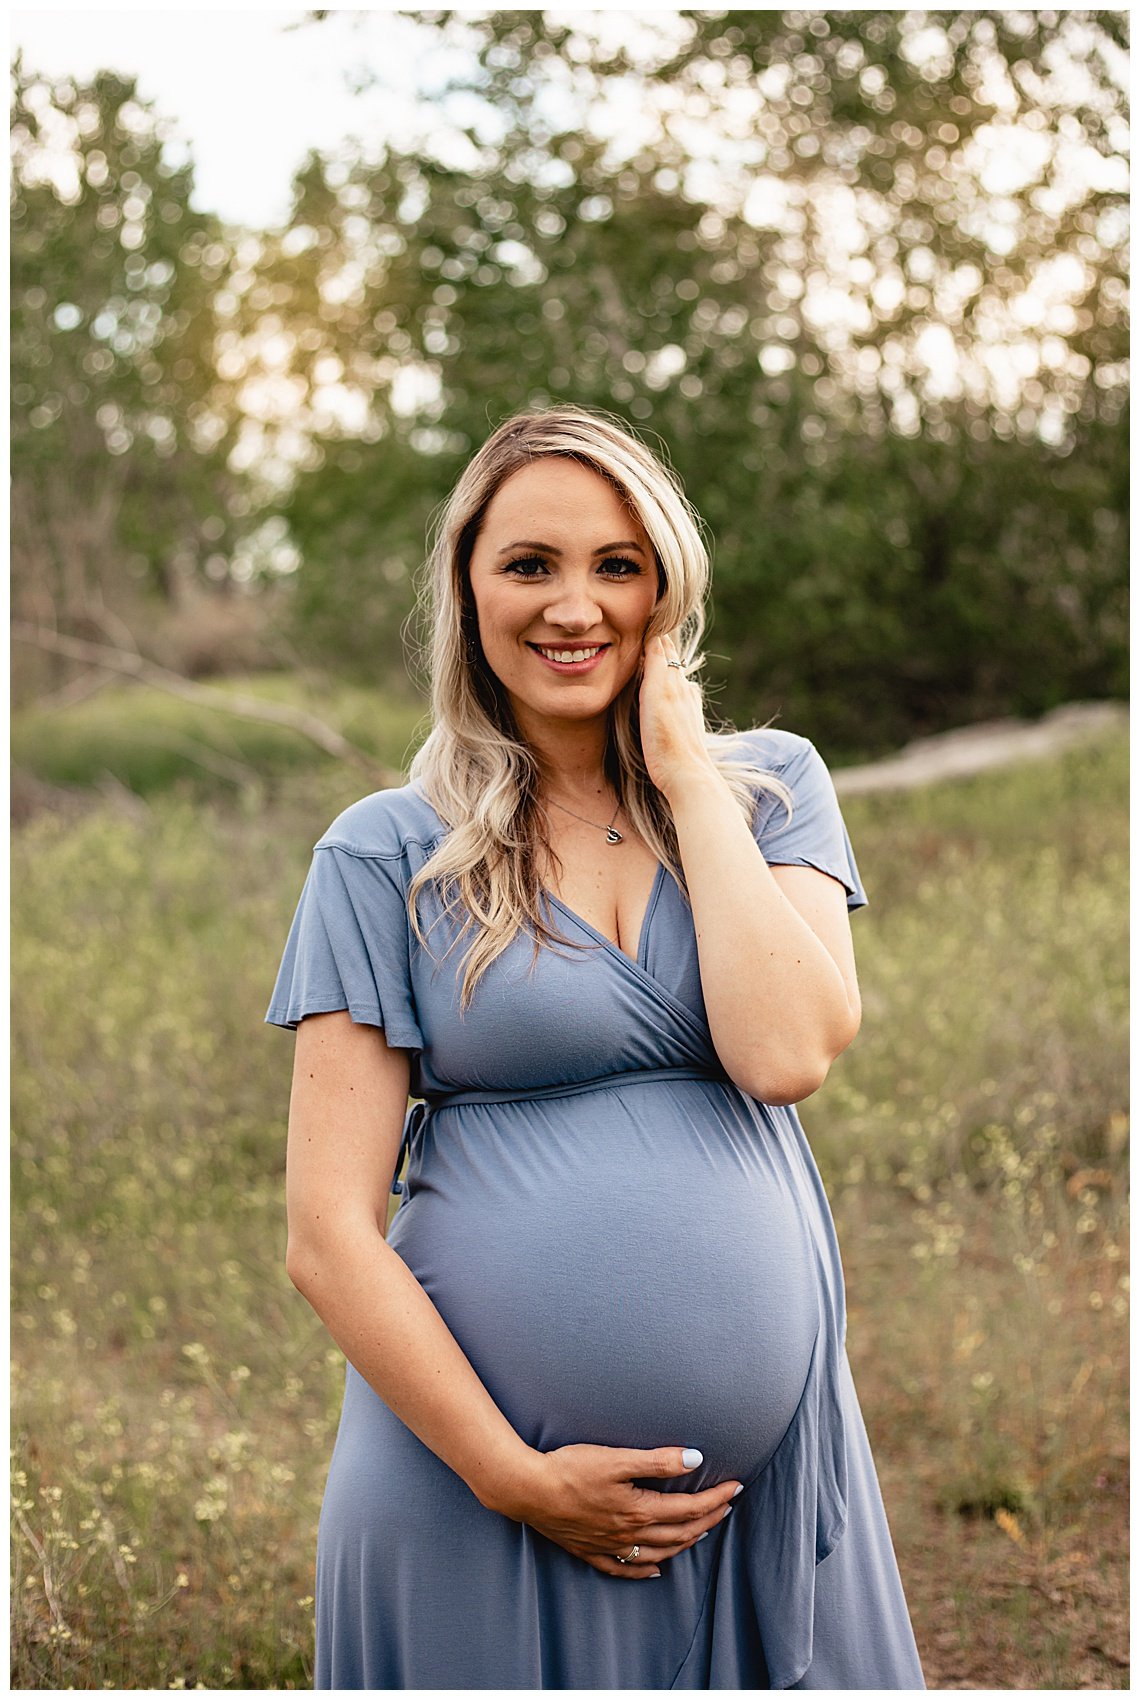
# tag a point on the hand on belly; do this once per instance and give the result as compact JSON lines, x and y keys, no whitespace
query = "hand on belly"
{"x":586,"y":1499}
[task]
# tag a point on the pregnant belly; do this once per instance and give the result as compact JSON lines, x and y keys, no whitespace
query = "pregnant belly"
{"x":627,"y":1268}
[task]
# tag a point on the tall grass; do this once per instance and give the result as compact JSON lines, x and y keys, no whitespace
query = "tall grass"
{"x":174,"y":1400}
{"x":994,"y":974}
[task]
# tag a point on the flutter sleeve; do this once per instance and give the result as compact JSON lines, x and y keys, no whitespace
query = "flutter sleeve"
{"x":348,"y":947}
{"x":816,"y":836}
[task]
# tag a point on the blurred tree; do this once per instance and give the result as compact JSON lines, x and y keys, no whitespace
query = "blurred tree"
{"x":863,"y":273}
{"x":120,"y":486}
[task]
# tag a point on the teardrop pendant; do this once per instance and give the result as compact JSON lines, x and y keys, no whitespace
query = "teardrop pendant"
{"x":612,"y":835}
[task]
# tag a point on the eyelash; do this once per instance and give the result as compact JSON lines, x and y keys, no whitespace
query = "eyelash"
{"x":610,"y":560}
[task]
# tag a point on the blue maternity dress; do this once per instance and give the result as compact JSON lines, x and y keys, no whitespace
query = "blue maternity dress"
{"x":631,"y":1251}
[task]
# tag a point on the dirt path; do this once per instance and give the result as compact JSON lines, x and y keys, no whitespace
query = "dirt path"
{"x":972,"y":749}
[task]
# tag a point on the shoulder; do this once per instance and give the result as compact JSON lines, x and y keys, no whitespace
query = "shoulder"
{"x":790,"y":777}
{"x":385,"y":824}
{"x":771,"y":747}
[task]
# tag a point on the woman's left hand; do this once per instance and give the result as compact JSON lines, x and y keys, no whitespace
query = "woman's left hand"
{"x":672,"y":718}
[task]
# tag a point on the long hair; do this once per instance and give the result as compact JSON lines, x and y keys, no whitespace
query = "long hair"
{"x":475,"y":768}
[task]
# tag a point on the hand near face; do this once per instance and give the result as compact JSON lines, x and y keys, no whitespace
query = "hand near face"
{"x":672,"y":718}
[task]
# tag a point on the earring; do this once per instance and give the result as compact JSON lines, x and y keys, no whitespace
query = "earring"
{"x":469,"y":646}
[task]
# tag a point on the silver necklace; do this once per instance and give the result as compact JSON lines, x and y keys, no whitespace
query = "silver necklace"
{"x":613,"y":836}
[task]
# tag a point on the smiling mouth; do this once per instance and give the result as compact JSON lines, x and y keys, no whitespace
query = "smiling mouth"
{"x":569,"y":656}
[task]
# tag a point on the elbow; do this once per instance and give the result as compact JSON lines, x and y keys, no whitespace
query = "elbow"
{"x":794,"y":1088}
{"x":842,"y":1033}
{"x":811,"y":1080}
{"x":853,"y":1022}
{"x":315,"y":1255}
{"x":302,"y":1264}
{"x":769,"y":1085}
{"x":783,"y":1078}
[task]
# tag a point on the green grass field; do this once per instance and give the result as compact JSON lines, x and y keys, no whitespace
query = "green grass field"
{"x":175,"y":1400}
{"x":151,"y":741}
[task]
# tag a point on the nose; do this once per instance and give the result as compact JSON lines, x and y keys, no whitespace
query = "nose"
{"x":573,"y":609}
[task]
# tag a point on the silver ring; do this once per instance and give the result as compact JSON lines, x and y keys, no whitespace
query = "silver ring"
{"x":630,"y":1556}
{"x":680,"y":664}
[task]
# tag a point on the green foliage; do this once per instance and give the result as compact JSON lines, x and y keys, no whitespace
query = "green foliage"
{"x":888,"y":558}
{"x":119,"y":429}
{"x":149,"y":1181}
{"x":360,"y":527}
{"x":149,"y":740}
{"x":996,"y":978}
{"x":754,"y":275}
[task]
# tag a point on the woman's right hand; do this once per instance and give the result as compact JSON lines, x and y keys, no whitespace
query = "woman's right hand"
{"x":586,"y":1499}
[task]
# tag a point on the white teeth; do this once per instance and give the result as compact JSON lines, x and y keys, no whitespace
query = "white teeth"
{"x":569,"y":654}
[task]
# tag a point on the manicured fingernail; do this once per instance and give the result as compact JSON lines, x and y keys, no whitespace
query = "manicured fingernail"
{"x":690,"y":1457}
{"x":738,"y":1489}
{"x":703,"y":1537}
{"x":652,"y":1574}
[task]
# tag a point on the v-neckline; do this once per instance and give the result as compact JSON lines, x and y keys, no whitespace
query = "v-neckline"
{"x":637,"y":961}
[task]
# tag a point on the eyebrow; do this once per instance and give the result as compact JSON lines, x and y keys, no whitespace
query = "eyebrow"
{"x":549,"y":549}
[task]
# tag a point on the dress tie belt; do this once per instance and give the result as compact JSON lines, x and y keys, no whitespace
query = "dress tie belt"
{"x":419,"y":1111}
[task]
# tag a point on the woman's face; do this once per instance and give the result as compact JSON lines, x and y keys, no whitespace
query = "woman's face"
{"x":561,"y":566}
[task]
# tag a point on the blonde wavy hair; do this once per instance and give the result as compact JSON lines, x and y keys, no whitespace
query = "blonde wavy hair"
{"x":475,"y":768}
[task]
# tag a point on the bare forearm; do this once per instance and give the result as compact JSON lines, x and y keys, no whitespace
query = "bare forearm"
{"x":776,"y":1002}
{"x":389,"y":1329}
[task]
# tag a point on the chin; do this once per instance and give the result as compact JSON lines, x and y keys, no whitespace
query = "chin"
{"x":586,"y":701}
{"x":584,"y":709}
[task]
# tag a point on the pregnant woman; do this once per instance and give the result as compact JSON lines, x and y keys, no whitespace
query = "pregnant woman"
{"x":608,"y":951}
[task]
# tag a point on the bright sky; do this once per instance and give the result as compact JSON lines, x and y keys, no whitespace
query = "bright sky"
{"x":248,"y":94}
